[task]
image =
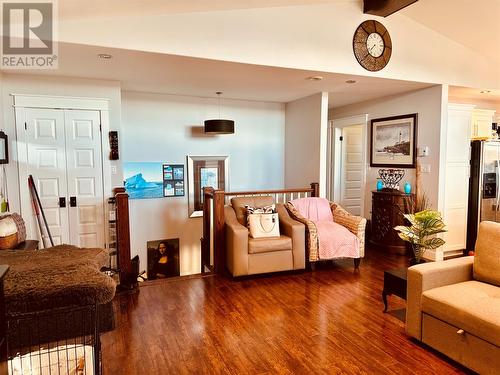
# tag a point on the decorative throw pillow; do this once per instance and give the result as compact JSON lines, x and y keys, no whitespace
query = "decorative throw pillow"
{"x":271,"y":209}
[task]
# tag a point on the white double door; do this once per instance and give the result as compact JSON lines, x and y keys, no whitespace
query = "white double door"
{"x":64,"y":157}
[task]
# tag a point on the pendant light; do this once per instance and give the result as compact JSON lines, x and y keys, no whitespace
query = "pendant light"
{"x":219,"y":126}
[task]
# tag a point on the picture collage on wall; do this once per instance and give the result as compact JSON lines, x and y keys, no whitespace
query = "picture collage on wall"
{"x":173,"y":180}
{"x":149,"y":180}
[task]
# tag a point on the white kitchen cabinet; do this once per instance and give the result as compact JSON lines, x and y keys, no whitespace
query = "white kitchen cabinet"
{"x":481,"y":123}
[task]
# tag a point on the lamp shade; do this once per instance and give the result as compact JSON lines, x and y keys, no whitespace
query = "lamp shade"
{"x":219,"y":126}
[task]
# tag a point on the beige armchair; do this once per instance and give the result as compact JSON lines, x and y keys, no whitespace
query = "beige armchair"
{"x":248,"y":256}
{"x":355,"y":224}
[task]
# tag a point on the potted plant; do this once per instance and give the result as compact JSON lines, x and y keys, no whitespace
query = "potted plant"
{"x":421,"y":233}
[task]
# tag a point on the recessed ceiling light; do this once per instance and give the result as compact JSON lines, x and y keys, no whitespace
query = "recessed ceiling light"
{"x":104,"y":56}
{"x":350,"y":81}
{"x":485,"y":91}
{"x":315,"y":78}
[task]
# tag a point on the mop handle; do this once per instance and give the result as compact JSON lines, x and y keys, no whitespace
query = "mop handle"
{"x":33,"y":187}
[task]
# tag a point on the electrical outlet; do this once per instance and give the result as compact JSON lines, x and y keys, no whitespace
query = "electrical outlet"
{"x":114,"y":170}
{"x":425,"y":168}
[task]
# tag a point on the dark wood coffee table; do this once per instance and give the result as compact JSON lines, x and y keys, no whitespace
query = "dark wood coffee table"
{"x":394,"y":283}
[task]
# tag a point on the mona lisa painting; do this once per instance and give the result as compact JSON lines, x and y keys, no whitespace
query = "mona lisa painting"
{"x":163,"y":258}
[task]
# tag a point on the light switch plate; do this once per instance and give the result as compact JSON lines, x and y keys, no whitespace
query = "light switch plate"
{"x":425,"y":168}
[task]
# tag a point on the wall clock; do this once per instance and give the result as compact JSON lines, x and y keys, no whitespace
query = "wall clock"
{"x":372,"y":45}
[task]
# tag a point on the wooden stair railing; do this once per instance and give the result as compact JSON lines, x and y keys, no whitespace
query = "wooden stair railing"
{"x":213,"y":221}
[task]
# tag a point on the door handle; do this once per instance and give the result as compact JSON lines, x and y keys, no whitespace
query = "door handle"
{"x":62,"y":202}
{"x":72,"y":201}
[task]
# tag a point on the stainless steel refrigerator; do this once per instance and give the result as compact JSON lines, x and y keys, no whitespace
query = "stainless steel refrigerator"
{"x":484,"y":194}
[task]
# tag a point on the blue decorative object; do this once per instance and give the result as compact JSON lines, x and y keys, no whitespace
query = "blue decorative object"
{"x":407,"y":188}
{"x":380,"y":185}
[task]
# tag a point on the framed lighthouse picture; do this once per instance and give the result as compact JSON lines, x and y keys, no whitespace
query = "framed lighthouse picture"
{"x":393,"y":141}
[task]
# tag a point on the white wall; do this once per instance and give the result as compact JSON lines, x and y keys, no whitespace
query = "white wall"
{"x":314,"y":37}
{"x":428,"y":104}
{"x":54,"y":86}
{"x":305,"y":141}
{"x":160,"y":128}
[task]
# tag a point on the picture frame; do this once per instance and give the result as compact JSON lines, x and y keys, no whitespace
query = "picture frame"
{"x":173,"y":180}
{"x":205,"y":171}
{"x":4,"y":148}
{"x":163,"y":258}
{"x":393,"y":141}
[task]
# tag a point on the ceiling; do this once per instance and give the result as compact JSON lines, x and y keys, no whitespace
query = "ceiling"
{"x":99,"y":9}
{"x":474,"y":24}
{"x":169,"y":74}
{"x":473,"y":94}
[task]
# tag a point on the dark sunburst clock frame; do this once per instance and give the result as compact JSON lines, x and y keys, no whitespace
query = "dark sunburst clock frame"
{"x":360,"y":46}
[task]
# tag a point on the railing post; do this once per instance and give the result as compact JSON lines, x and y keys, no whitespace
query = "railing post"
{"x":123,"y":235}
{"x":219,"y":232}
{"x":315,"y":189}
{"x":208,"y":194}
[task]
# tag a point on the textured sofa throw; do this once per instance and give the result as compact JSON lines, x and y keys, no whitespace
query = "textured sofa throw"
{"x":332,"y":239}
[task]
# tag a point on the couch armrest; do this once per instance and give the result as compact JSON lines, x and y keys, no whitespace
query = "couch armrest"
{"x":311,"y":233}
{"x":236,"y":244}
{"x":427,"y":276}
{"x":355,"y":224}
{"x":297,"y":232}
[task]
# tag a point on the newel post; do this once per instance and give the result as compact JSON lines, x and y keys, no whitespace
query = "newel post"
{"x":208,"y":193}
{"x":123,"y":234}
{"x":219,"y":232}
{"x":315,"y":189}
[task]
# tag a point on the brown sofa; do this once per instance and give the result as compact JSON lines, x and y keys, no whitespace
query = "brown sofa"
{"x":454,"y":305}
{"x":248,"y":256}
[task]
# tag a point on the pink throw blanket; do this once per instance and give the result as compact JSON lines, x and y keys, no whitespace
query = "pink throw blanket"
{"x":335,"y":241}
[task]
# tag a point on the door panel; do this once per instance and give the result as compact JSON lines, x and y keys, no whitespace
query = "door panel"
{"x":83,"y":145}
{"x":490,"y":182}
{"x":47,"y":163}
{"x":352,"y":169}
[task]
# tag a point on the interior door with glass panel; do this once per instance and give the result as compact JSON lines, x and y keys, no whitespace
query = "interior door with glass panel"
{"x":85,"y":180}
{"x":45,"y":131}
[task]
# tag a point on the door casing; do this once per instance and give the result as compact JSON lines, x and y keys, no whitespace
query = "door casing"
{"x":335,"y":156}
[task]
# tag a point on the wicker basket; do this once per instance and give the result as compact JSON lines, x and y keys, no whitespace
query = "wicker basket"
{"x":9,"y":242}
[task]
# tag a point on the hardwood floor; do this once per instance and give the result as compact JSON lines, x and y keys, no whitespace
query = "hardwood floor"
{"x":325,"y":322}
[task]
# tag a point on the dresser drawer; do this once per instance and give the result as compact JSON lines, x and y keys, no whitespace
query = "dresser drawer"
{"x":467,"y":349}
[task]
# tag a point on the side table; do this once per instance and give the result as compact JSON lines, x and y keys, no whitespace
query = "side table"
{"x":395,"y":282}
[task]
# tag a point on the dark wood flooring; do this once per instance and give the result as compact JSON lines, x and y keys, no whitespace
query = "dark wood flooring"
{"x":325,"y":322}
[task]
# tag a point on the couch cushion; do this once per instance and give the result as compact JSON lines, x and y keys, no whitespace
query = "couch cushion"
{"x":266,"y":245}
{"x":487,"y":258}
{"x":239,"y":203}
{"x":471,"y":305}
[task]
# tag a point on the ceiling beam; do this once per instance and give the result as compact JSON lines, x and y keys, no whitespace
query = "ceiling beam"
{"x":384,"y":8}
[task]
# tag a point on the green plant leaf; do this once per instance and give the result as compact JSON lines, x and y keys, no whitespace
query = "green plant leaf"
{"x":434,"y":243}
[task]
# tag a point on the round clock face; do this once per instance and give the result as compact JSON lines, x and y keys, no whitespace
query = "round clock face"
{"x":372,"y":45}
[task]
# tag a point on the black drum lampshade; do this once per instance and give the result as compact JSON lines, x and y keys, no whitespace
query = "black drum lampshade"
{"x":219,"y":126}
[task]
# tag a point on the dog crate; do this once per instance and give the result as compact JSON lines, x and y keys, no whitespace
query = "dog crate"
{"x":62,"y":341}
